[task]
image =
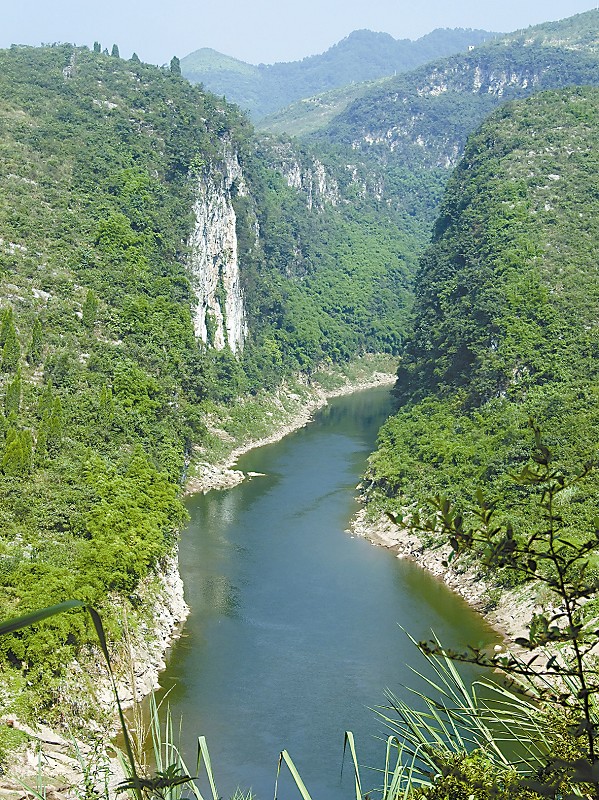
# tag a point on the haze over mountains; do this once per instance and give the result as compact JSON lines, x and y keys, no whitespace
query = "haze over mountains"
{"x":362,"y":56}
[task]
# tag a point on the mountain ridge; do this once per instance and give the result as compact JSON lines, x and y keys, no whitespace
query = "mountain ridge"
{"x":504,"y":326}
{"x":363,"y":55}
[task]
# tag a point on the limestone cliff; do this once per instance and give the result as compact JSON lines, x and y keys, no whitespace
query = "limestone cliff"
{"x":219,"y":315}
{"x":422,"y":119}
{"x":303,"y":172}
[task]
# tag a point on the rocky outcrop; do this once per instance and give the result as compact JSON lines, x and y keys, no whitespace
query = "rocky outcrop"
{"x":313,"y":181}
{"x":66,"y":762}
{"x":219,"y":315}
{"x":304,"y":173}
{"x":168,"y":612}
{"x":411,"y":124}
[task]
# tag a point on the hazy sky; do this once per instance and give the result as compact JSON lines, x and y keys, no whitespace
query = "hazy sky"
{"x":256,"y":30}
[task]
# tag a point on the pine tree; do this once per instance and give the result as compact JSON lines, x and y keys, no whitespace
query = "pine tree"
{"x":97,"y":47}
{"x":90,"y":309}
{"x":11,"y":352}
{"x":41,"y":449}
{"x":115,"y":51}
{"x":54,"y":428}
{"x":12,"y":400}
{"x":135,"y":58}
{"x":17,"y":458}
{"x":175,"y":66}
{"x":5,"y":324}
{"x":46,"y":401}
{"x":105,"y":406}
{"x":36,"y":345}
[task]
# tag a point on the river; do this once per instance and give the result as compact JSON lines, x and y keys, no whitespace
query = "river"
{"x":294,"y":627}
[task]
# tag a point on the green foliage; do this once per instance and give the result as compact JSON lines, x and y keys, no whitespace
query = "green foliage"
{"x":99,"y":198}
{"x":408,"y":120}
{"x":36,"y":345}
{"x":506,"y":299}
{"x":361,"y":56}
{"x":408,"y":132}
{"x":12,"y":400}
{"x":564,"y":673}
{"x":89,"y":309}
{"x":17,"y":457}
{"x":6,"y":325}
{"x":11,"y":351}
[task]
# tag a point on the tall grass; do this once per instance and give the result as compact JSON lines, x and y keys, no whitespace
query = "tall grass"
{"x":453,"y":719}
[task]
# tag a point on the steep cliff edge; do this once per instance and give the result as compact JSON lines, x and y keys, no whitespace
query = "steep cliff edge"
{"x":219,"y":317}
{"x":155,"y":264}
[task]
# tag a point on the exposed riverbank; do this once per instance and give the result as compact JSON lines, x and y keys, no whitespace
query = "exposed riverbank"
{"x":273,"y":416}
{"x":508,"y":611}
{"x":252,"y":423}
{"x":282,"y":598}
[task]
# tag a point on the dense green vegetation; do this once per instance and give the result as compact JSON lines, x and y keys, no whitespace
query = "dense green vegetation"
{"x":310,"y":114}
{"x":425,"y":116}
{"x":102,"y":381}
{"x":407,"y":133}
{"x":505,"y":316}
{"x":104,"y":386}
{"x":361,"y":56}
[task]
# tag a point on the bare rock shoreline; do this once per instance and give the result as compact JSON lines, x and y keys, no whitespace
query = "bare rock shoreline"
{"x":150,"y":646}
{"x":509,"y":614}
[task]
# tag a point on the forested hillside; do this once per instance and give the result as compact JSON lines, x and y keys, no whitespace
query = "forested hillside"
{"x":505,"y":318}
{"x":115,"y":177}
{"x":361,"y":56}
{"x":409,"y":132}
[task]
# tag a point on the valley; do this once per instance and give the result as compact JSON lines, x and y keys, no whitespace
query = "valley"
{"x":177,"y":287}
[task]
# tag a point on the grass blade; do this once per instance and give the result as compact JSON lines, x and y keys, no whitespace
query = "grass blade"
{"x":285,"y":757}
{"x":15,"y":624}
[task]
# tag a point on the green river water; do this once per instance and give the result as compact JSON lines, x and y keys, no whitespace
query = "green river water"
{"x":294,"y":627}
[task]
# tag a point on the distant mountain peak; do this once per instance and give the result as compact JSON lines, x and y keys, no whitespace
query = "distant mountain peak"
{"x":363,"y":55}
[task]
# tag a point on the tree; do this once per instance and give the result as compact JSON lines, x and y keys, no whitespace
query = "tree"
{"x":89,"y":309}
{"x":115,"y":51}
{"x":17,"y":458}
{"x":46,"y":400}
{"x":51,"y":428}
{"x":135,"y":58}
{"x":36,"y":345}
{"x":12,"y":400}
{"x":567,"y":678}
{"x":5,"y":325}
{"x":97,"y":47}
{"x":105,"y":406}
{"x":175,"y":66}
{"x":11,"y":352}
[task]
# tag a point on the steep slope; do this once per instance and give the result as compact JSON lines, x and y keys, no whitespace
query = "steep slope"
{"x":411,"y":130}
{"x":152,"y":262}
{"x":425,"y":116}
{"x":505,"y":319}
{"x":361,"y":56}
{"x":310,"y":114}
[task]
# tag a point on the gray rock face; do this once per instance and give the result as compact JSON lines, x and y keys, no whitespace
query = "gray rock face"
{"x":307,"y":175}
{"x":219,"y":316}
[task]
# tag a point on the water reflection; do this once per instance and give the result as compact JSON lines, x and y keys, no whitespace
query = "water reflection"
{"x":293,"y":634}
